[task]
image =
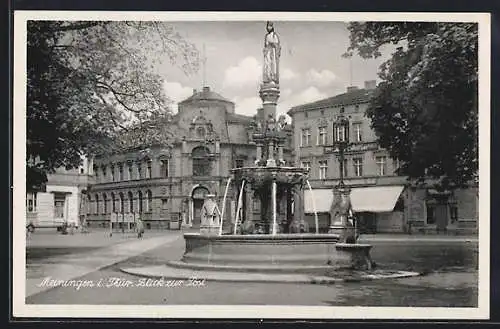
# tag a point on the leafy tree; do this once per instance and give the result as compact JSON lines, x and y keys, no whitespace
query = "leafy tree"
{"x":425,"y":110}
{"x":88,"y":81}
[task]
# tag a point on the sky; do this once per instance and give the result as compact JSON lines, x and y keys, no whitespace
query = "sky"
{"x":311,"y":65}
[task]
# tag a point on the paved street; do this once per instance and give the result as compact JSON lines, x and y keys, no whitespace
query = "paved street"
{"x":451,"y":264}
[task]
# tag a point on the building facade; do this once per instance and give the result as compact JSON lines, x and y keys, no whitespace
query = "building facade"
{"x":164,"y":184}
{"x":382,"y":200}
{"x":62,"y":200}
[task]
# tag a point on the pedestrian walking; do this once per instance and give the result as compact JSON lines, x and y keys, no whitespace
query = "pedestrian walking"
{"x":140,"y":228}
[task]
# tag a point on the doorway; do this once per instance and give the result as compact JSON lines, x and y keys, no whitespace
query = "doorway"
{"x":198,"y":198}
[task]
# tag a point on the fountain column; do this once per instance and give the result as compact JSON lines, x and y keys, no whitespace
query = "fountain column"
{"x":274,"y":207}
{"x":298,"y":205}
{"x":258,"y":154}
{"x":280,"y":154}
{"x":289,"y":198}
{"x":270,"y":154}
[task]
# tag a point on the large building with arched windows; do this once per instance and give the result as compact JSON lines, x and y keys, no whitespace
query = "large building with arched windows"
{"x":168,"y":182}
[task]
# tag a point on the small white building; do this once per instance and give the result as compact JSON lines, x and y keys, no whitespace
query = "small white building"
{"x":62,"y":200}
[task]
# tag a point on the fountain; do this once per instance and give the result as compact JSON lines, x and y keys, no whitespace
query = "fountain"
{"x":276,"y":241}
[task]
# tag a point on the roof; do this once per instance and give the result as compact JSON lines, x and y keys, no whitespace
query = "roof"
{"x":351,"y":97}
{"x":239,"y":118}
{"x":205,"y":94}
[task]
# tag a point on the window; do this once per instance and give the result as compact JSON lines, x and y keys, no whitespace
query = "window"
{"x":150,"y":201}
{"x":200,"y":132}
{"x":104,"y":176}
{"x":306,"y":115}
{"x":31,"y":202}
{"x":345,"y":166}
{"x":96,"y":174}
{"x":82,"y":171}
{"x":358,"y":167}
{"x":305,"y":137}
{"x":431,"y":214}
{"x":96,"y":209}
{"x":148,"y":169}
{"x":239,"y":163}
{"x":89,"y":204}
{"x":120,"y":171}
{"x":112,"y":168}
{"x":122,"y":203}
{"x":201,"y":161}
{"x":139,"y":170}
{"x":130,"y":171}
{"x":356,"y":108}
{"x":139,"y":205}
{"x":105,"y":204}
{"x":322,"y":112}
{"x":130,"y":202}
{"x":340,"y":133}
{"x":164,"y":168}
{"x":113,"y":202}
{"x":164,"y":204}
{"x":321,"y":136}
{"x":358,"y":134}
{"x":306,"y":165}
{"x":381,"y":165}
{"x":342,"y":109}
{"x":59,"y":201}
{"x":323,"y":166}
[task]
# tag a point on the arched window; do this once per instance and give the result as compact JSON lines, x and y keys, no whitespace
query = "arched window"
{"x":122,"y":203}
{"x":120,"y":172}
{"x":139,"y":170}
{"x":164,"y":167}
{"x":105,"y":203}
{"x":139,"y":204}
{"x":201,"y":161}
{"x":104,"y":174}
{"x":130,"y":171}
{"x":150,"y":200}
{"x":149,"y":169}
{"x":96,"y":210}
{"x":113,"y":202}
{"x":130,"y":202}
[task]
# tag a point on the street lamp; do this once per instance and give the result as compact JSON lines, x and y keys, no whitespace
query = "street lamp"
{"x":341,"y":208}
{"x":341,"y":141}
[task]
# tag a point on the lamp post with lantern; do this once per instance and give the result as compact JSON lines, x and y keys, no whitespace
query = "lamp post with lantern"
{"x":341,"y":210}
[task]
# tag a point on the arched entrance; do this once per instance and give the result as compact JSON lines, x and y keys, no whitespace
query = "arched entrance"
{"x":197,"y":198}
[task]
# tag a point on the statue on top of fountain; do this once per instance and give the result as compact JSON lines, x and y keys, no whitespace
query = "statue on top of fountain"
{"x":272,"y":53}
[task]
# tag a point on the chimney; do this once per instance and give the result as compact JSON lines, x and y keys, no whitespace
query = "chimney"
{"x":206,"y":89}
{"x":351,"y":88}
{"x":195,"y":91}
{"x":370,"y":84}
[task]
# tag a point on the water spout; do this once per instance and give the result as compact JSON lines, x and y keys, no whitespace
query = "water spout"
{"x":238,"y":209}
{"x":224,"y":206}
{"x":316,"y":221}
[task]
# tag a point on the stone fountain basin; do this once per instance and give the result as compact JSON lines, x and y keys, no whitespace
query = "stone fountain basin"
{"x":281,"y":253}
